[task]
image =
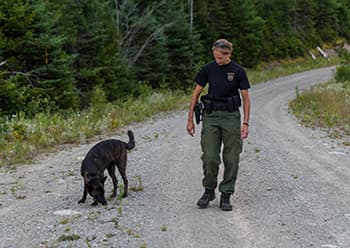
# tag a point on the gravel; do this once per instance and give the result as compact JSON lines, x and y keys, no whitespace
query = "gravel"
{"x":293,"y":188}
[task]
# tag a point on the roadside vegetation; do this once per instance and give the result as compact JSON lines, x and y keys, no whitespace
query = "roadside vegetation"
{"x":327,"y":105}
{"x":23,"y":137}
{"x":279,"y":68}
{"x":72,"y":70}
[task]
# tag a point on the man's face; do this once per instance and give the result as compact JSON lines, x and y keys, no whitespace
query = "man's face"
{"x":220,"y":58}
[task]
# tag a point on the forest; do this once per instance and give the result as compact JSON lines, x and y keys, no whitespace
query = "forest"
{"x":58,"y":55}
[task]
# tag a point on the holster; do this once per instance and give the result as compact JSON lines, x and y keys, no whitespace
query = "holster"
{"x":198,"y":111}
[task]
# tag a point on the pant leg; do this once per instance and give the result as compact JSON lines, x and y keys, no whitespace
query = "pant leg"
{"x":231,"y":136}
{"x":211,"y":144}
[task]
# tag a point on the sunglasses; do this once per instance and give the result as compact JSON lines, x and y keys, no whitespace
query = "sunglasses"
{"x":220,"y":44}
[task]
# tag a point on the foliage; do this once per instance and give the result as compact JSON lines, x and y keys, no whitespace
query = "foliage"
{"x":36,"y":67}
{"x":93,"y":40}
{"x":278,"y":68}
{"x":22,"y":137}
{"x":293,"y":27}
{"x":156,"y":40}
{"x":235,"y":20}
{"x":309,"y":107}
{"x":342,"y":75}
{"x":70,"y":55}
{"x":327,"y":105}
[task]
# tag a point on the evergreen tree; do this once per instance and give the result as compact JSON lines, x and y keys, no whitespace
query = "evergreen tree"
{"x":279,"y":35}
{"x":344,"y":19}
{"x":209,"y":21}
{"x":244,"y":28}
{"x":156,"y":41}
{"x":142,"y":40}
{"x":304,"y":23}
{"x":36,"y":68}
{"x":181,"y":45}
{"x":92,"y":39}
{"x":236,"y":21}
{"x":327,"y":19}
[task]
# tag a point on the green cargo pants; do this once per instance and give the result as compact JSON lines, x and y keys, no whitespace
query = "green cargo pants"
{"x":221,"y":127}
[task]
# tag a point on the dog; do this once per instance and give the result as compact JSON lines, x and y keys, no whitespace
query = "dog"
{"x":106,"y":154}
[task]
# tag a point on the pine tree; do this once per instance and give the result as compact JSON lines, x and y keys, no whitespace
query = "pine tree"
{"x":244,"y":28}
{"x":304,"y":23}
{"x":92,"y":38}
{"x":37,"y":67}
{"x":327,"y":20}
{"x":209,"y":21}
{"x":181,"y":45}
{"x":235,"y":21}
{"x":344,"y":19}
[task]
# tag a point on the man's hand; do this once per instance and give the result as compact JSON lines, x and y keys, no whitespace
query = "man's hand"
{"x":190,"y":125}
{"x":244,"y":132}
{"x":190,"y":128}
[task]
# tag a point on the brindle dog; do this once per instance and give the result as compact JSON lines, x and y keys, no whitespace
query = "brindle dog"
{"x":105,"y":155}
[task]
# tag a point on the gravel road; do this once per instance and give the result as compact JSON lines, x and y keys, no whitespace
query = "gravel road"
{"x":293,"y":188}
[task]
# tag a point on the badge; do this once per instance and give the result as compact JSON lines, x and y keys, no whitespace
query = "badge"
{"x":230,"y":76}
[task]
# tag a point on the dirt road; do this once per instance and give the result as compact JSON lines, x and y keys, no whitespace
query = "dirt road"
{"x":293,"y":188}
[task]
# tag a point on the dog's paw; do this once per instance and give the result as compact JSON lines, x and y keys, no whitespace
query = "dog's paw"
{"x":125,"y":195}
{"x":94,"y":203}
{"x":113,"y":195}
{"x":81,"y":201}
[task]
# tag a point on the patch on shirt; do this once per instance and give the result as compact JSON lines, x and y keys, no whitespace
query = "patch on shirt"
{"x":230,"y":76}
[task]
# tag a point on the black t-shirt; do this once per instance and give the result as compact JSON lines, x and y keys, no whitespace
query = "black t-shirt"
{"x":224,"y":81}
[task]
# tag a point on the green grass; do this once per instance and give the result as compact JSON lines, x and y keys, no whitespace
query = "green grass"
{"x":22,"y":138}
{"x":269,"y":71}
{"x":72,"y":237}
{"x":325,"y":106}
{"x":64,"y":221}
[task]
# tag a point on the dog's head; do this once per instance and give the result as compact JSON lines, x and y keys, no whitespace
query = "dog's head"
{"x":95,"y":187}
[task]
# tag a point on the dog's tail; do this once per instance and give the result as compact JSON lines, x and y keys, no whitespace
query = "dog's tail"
{"x":131,"y":143}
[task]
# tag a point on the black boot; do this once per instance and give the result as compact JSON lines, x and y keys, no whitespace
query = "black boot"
{"x":225,"y":202}
{"x":208,"y":196}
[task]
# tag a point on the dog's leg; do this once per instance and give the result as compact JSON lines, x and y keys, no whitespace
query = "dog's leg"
{"x":94,"y":203}
{"x":84,"y":195}
{"x":122,"y":171}
{"x":111,"y":172}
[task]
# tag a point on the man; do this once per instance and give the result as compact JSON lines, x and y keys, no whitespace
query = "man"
{"x":221,"y":121}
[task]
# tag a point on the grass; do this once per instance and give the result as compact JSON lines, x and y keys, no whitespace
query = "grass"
{"x":128,"y":231}
{"x":14,"y":191}
{"x":325,"y":106}
{"x":269,"y":71}
{"x":72,"y":237}
{"x":64,"y":221}
{"x":22,"y":138}
{"x":138,"y":187}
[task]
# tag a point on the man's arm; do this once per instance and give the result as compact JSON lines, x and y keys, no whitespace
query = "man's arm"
{"x":246,"y":113}
{"x":190,"y":125}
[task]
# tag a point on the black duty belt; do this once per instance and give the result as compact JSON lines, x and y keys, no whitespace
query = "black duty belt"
{"x":229,"y":104}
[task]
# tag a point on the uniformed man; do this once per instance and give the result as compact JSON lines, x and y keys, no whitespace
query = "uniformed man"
{"x":228,"y":83}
